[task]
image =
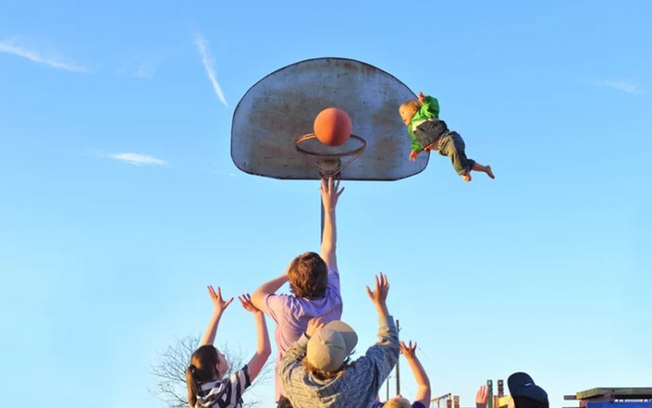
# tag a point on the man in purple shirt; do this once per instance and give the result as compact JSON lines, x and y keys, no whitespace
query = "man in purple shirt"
{"x":315,"y":285}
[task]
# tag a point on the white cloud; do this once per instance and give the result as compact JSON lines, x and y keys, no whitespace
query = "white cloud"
{"x":207,"y":60}
{"x":138,"y":159}
{"x":145,"y":70}
{"x":623,"y":86}
{"x":12,"y":46}
{"x":142,"y":68}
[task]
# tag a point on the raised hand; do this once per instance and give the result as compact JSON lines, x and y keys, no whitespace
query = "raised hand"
{"x":422,"y":97}
{"x":245,"y":300}
{"x":481,"y":397}
{"x":379,"y":294}
{"x":409,"y":350}
{"x":330,"y":192}
{"x":314,"y":325}
{"x":218,"y":301}
{"x":413,"y":155}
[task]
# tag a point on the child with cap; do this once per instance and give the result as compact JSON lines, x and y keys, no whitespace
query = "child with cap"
{"x":316,"y":371}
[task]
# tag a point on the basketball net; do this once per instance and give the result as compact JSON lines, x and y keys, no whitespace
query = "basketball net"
{"x":329,"y":161}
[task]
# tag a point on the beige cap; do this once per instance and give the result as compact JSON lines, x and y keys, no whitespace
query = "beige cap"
{"x":331,"y":345}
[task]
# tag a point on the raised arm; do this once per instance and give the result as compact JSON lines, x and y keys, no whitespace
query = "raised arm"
{"x":263,"y":349}
{"x":379,"y":295}
{"x":219,"y":307}
{"x":382,"y":356}
{"x":330,"y":192}
{"x":431,"y":104}
{"x":423,"y":383}
{"x":267,"y":288}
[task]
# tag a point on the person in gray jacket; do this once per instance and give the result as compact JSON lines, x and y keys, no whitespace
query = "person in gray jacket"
{"x":316,"y":371}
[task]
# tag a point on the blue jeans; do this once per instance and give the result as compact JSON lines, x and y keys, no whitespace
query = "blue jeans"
{"x":452,"y":145}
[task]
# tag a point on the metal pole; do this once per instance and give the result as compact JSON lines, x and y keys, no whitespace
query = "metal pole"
{"x":490,"y":397}
{"x":398,"y":365}
{"x":321,"y":233}
{"x":387,"y":388}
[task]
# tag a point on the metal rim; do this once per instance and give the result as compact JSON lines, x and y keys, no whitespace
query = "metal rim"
{"x":355,"y":152}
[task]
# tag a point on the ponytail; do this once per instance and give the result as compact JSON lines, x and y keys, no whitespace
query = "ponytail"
{"x":201,"y":370}
{"x":192,"y":385}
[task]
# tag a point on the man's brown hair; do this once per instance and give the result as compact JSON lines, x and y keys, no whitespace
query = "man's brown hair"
{"x":308,"y":276}
{"x":325,"y":375}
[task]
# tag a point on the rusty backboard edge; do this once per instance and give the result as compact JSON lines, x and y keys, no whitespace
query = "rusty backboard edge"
{"x":317,"y":177}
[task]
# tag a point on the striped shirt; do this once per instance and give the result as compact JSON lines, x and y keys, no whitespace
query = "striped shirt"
{"x":224,"y":393}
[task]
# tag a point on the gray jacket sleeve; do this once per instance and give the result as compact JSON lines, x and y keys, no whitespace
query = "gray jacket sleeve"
{"x":381,"y":358}
{"x":292,"y":359}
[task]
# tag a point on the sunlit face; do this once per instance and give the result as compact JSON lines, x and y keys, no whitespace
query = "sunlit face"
{"x":222,"y":365}
{"x":407,"y":113}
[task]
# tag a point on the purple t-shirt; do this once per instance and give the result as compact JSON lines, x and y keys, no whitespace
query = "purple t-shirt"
{"x":292,"y":314}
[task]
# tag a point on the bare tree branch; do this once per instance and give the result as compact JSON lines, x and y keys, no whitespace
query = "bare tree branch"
{"x":169,"y":371}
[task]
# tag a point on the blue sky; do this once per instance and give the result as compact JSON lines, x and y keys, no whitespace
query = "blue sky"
{"x":119,"y":201}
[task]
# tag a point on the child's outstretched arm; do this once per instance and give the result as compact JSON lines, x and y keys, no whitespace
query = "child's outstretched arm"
{"x":430,"y":104}
{"x":219,"y":307}
{"x":423,"y":383}
{"x":263,"y":349}
{"x":330,"y":193}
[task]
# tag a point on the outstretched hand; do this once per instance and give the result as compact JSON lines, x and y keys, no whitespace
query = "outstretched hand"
{"x":379,"y":294}
{"x":245,"y":300}
{"x":314,"y":325}
{"x":330,"y":192}
{"x":409,"y":350}
{"x":481,"y":397}
{"x":218,"y":301}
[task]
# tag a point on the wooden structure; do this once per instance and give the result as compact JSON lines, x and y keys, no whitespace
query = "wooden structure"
{"x":613,"y":397}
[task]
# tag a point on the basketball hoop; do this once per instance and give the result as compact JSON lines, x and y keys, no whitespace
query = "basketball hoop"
{"x":330,"y":161}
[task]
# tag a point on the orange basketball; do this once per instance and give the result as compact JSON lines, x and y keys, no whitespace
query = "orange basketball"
{"x":333,"y":126}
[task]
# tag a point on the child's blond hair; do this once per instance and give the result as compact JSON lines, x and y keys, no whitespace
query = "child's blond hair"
{"x":412,"y":104}
{"x":397,"y":403}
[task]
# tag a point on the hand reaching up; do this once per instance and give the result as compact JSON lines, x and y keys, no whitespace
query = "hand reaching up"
{"x":481,"y":397}
{"x":409,"y":350}
{"x":245,"y":300}
{"x":218,"y":301}
{"x":330,"y":192}
{"x":314,"y":325}
{"x":379,"y":295}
